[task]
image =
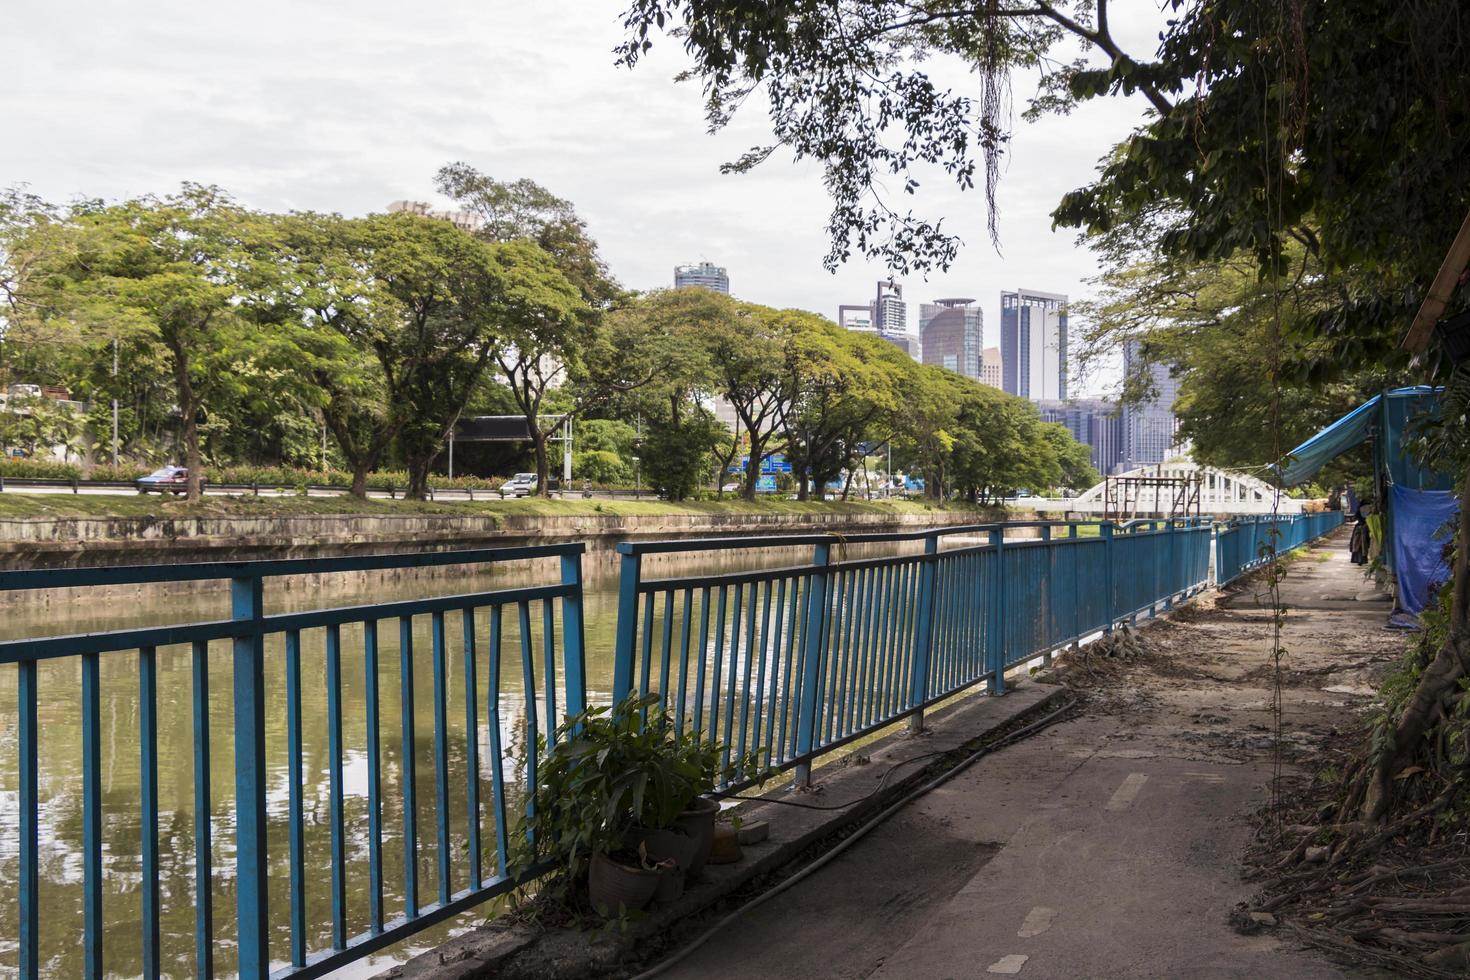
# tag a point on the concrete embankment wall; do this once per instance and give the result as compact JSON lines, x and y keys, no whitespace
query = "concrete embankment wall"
{"x":103,"y":541}
{"x":69,"y":542}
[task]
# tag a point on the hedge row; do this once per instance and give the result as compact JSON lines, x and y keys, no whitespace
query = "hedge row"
{"x":265,"y":476}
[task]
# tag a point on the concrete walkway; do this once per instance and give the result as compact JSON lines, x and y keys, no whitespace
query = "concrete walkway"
{"x":1108,"y":846}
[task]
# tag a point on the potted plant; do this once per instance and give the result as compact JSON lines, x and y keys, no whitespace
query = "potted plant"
{"x":617,"y":795}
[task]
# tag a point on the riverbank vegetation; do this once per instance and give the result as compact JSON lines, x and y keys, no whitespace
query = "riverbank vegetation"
{"x":234,"y":340}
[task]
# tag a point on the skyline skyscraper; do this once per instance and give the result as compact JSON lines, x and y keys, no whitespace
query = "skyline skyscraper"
{"x":705,"y":275}
{"x":887,"y":315}
{"x":1150,"y":430}
{"x":1033,"y":344}
{"x":1094,"y":422}
{"x":951,"y":332}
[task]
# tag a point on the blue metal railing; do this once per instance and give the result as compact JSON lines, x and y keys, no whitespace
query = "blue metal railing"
{"x":1246,"y":543}
{"x":316,"y":945}
{"x":795,"y":661}
{"x":792,"y":661}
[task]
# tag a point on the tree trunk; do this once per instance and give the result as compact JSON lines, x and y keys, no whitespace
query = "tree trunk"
{"x":418,"y":476}
{"x":1438,"y":685}
{"x":192,"y":458}
{"x":359,"y":480}
{"x":189,"y":409}
{"x":543,"y":473}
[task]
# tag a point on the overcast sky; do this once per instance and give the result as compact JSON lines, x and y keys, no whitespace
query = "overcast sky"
{"x":346,"y":106}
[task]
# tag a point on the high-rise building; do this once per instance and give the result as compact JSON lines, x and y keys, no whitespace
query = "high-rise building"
{"x":1033,"y":344}
{"x":1093,"y":422}
{"x":1150,"y":430}
{"x":887,"y":315}
{"x":951,"y":332}
{"x":463,"y":220}
{"x":990,"y":370}
{"x":706,"y":275}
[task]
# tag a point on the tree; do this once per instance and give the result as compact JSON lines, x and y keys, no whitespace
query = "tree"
{"x":544,"y":342}
{"x":345,"y":321}
{"x":838,"y":384}
{"x":746,"y":351}
{"x":524,"y":210}
{"x":849,"y":83}
{"x":166,"y":273}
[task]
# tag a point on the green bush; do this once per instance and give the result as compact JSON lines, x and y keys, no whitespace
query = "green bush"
{"x":39,"y":469}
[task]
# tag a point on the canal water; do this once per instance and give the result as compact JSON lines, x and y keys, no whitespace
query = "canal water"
{"x":60,"y":727}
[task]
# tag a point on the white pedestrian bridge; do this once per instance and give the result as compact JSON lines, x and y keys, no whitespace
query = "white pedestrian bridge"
{"x":1220,"y":492}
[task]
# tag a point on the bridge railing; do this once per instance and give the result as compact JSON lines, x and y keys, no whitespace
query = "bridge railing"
{"x":1246,"y":543}
{"x":796,"y":660}
{"x":450,"y":850}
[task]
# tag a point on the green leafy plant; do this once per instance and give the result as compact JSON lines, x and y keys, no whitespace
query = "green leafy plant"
{"x":609,"y":772}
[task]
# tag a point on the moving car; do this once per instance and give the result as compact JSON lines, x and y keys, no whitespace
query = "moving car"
{"x":167,"y":479}
{"x":520,"y":485}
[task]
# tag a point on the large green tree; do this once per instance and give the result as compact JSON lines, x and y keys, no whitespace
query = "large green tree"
{"x":168,"y":275}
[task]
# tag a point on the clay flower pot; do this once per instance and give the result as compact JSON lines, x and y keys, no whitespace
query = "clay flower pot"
{"x":666,"y":845}
{"x":617,"y":888}
{"x":698,"y":821}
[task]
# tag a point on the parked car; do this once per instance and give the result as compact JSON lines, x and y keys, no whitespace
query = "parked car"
{"x":520,"y":485}
{"x":730,"y":487}
{"x":167,"y":479}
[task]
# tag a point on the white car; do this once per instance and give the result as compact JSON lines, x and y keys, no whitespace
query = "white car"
{"x":520,"y":485}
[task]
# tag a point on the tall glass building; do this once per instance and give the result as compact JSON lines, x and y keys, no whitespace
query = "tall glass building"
{"x":951,"y":332}
{"x":1033,"y":344}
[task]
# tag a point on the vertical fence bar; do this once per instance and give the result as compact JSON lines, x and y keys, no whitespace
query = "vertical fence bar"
{"x":441,"y":759}
{"x":998,"y":615}
{"x":573,"y":637}
{"x":334,"y":786}
{"x":148,"y":773}
{"x":375,"y":776}
{"x":1109,"y":614}
{"x":30,"y":862}
{"x":471,"y":747}
{"x":492,"y":722}
{"x":812,"y":633}
{"x":923,"y":634}
{"x":92,"y":815}
{"x":203,"y":836}
{"x":408,"y":769}
{"x":629,"y":576}
{"x":294,"y":805}
{"x":252,"y":896}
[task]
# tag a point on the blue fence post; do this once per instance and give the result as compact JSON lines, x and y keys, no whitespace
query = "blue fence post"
{"x":1105,"y":531}
{"x":924,"y":636}
{"x":1050,"y":592}
{"x":1171,"y":585}
{"x":997,"y":629}
{"x":247,"y":606}
{"x":630,"y":569}
{"x":30,"y":863}
{"x":574,"y":636}
{"x":812,"y":634}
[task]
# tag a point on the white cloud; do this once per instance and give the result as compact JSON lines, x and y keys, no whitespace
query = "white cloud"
{"x":351,"y":105}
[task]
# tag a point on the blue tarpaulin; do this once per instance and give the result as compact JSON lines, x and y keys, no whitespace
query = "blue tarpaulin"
{"x":1383,"y":418}
{"x":1419,"y":518}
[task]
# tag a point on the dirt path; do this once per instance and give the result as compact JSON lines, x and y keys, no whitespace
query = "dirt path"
{"x":1108,"y":846}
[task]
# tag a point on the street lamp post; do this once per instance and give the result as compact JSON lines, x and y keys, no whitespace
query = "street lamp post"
{"x":114,"y":405}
